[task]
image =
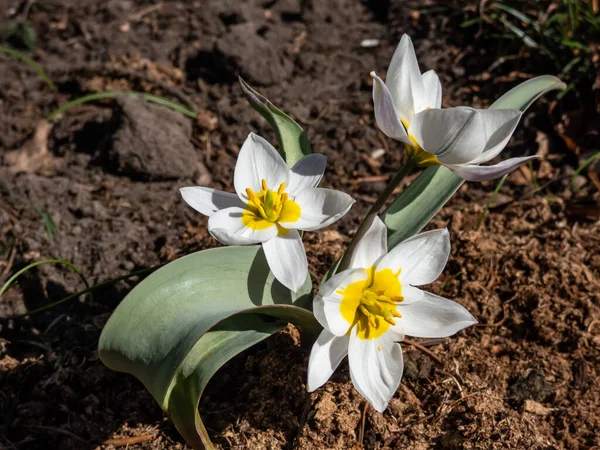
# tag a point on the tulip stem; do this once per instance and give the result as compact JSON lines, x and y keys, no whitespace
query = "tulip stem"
{"x":410,"y":164}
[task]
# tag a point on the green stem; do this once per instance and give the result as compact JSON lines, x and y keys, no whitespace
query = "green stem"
{"x":85,"y":291}
{"x":368,"y":220}
{"x":113,"y":94}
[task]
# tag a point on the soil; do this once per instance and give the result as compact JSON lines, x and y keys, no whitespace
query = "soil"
{"x":100,"y":189}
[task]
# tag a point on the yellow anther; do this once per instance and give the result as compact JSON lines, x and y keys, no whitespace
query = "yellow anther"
{"x":261,"y":210}
{"x":364,"y":310}
{"x":389,"y":320}
{"x":380,"y":292}
{"x":372,"y":321}
{"x":378,"y":306}
{"x":281,"y":189}
{"x":397,"y":299}
{"x":252,"y":196}
{"x":263,"y":183}
{"x":395,"y":313}
{"x":284,"y":197}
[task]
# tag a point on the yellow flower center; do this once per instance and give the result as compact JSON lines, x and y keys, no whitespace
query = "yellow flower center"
{"x":371,"y":304}
{"x":267,"y":207}
{"x":416,"y":152}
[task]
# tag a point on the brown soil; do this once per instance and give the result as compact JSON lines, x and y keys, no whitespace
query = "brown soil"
{"x":526,"y":377}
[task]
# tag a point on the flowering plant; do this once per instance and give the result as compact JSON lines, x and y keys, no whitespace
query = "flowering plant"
{"x":182,"y":323}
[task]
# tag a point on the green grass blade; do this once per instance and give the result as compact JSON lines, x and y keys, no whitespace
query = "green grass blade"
{"x":519,"y":33}
{"x":49,"y":224}
{"x":31,"y":63}
{"x":70,"y":265}
{"x":490,"y":200}
{"x":113,"y":94}
{"x":583,"y":165}
{"x":87,"y":290}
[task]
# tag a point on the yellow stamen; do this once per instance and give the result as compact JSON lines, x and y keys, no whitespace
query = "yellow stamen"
{"x":252,"y":196}
{"x":268,"y":207}
{"x":371,"y":304}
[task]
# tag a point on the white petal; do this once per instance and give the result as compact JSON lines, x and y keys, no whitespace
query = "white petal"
{"x":208,"y":201}
{"x":500,"y":124}
{"x":404,"y":80}
{"x":411,"y":294}
{"x":386,"y":114}
{"x":319,"y":208}
{"x":375,"y":368}
{"x":287,"y":259}
{"x":421,"y":258}
{"x":454,"y":135}
{"x":258,"y":160}
{"x":433,"y":90}
{"x":226,"y":226}
{"x":327,"y":302}
{"x":307,"y":173}
{"x":433,"y":317}
{"x":484,"y":173}
{"x":371,"y":247}
{"x":326,"y":354}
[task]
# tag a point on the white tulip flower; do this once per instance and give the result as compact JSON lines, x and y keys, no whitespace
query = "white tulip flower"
{"x":408,"y":109}
{"x":367,"y":309}
{"x":270,"y":205}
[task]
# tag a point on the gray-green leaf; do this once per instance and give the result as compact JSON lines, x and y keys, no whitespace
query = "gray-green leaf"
{"x":181,"y":324}
{"x":291,"y":137}
{"x":416,"y":205}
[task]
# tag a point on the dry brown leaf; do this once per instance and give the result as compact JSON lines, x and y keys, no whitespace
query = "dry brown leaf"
{"x":534,"y":407}
{"x":34,"y":154}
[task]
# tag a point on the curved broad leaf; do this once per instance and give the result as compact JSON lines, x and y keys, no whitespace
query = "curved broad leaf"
{"x":291,"y":137}
{"x":522,"y":96}
{"x":416,"y":205}
{"x":181,"y":324}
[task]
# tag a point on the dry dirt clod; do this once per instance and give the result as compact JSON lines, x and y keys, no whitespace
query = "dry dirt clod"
{"x":152,"y":142}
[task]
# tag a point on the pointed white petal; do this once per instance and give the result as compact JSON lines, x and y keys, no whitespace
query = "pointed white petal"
{"x":327,"y":305}
{"x":499,"y":124}
{"x":454,"y":135}
{"x":375,"y":368}
{"x":421,"y":258}
{"x":319,"y":208}
{"x":404,"y":80}
{"x":325,"y":356}
{"x":371,"y":247}
{"x":386,"y":114}
{"x":226,"y":226}
{"x":485,"y":173}
{"x":433,"y":317}
{"x":208,"y":201}
{"x":287,"y":259}
{"x":433,"y":91}
{"x":307,"y":173}
{"x":258,"y":160}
